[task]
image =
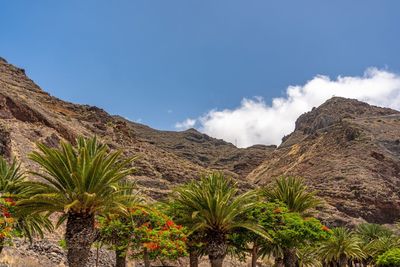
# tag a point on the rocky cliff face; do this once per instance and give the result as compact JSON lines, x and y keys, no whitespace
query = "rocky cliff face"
{"x":350,"y":152}
{"x":346,"y":149}
{"x":28,"y":115}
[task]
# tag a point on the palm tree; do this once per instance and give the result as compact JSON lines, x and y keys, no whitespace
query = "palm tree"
{"x":215,"y":208}
{"x":374,"y":239}
{"x":273,"y":249}
{"x":295,"y":195}
{"x":341,"y":247}
{"x":382,"y":244}
{"x":308,"y":257}
{"x":80,"y":182}
{"x":13,"y":184}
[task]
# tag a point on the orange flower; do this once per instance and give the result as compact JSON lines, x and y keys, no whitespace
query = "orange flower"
{"x":325,"y":228}
{"x":277,"y":210}
{"x":151,"y":246}
{"x":9,"y":220}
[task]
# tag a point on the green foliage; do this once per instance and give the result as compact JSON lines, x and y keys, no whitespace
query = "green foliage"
{"x":157,"y":234}
{"x":296,"y":231}
{"x":144,"y":230}
{"x":286,"y":229}
{"x":14,"y":187}
{"x":390,"y":258}
{"x":115,"y":231}
{"x":374,"y":240}
{"x":80,"y":179}
{"x":369,"y":232}
{"x":179,"y":214}
{"x":214,"y":205}
{"x":7,"y":219}
{"x":63,"y":244}
{"x":12,"y":179}
{"x":293,"y":193}
{"x":308,"y":257}
{"x":213,"y":209}
{"x":382,"y":244}
{"x":343,"y":244}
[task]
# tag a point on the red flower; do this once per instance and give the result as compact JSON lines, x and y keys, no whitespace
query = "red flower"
{"x":7,"y":214}
{"x":170,"y":223}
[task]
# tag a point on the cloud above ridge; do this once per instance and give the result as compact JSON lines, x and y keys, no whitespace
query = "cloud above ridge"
{"x":186,"y":124}
{"x":256,"y":122}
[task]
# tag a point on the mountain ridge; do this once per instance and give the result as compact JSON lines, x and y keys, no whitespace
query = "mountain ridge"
{"x":350,"y":152}
{"x":346,"y":149}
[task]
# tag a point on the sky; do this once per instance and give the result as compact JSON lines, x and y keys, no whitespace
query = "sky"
{"x":241,"y":70}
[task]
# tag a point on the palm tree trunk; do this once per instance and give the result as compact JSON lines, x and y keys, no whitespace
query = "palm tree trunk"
{"x":146,"y":258}
{"x":120,"y":258}
{"x":80,"y":234}
{"x":254,"y":256}
{"x":278,"y":262}
{"x":217,"y":262}
{"x":342,"y":261}
{"x":217,"y":249}
{"x":1,"y":244}
{"x":193,"y":258}
{"x":289,"y":257}
{"x":97,"y":256}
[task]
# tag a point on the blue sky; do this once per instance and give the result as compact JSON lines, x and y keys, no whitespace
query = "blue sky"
{"x":165,"y":61}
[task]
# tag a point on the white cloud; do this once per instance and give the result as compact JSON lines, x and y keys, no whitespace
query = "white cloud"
{"x":255,"y":122}
{"x":186,"y":124}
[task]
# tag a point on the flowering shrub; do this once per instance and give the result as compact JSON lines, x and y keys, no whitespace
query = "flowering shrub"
{"x":158,"y":235}
{"x":286,"y":229}
{"x":7,"y":221}
{"x":144,"y":231}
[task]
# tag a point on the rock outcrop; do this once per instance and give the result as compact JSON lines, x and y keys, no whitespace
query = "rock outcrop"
{"x":29,"y":115}
{"x":349,"y":152}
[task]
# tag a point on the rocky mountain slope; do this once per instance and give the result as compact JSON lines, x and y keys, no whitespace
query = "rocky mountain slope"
{"x":346,"y":149}
{"x":350,"y":152}
{"x":28,"y":115}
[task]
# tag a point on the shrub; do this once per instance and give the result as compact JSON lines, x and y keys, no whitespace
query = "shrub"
{"x":7,"y":220}
{"x":390,"y":258}
{"x":145,"y":230}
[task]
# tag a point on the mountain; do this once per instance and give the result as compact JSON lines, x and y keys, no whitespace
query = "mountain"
{"x":350,"y":152}
{"x":346,"y":149}
{"x":29,"y":115}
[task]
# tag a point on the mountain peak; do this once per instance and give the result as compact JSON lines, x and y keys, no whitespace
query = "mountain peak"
{"x":336,"y":109}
